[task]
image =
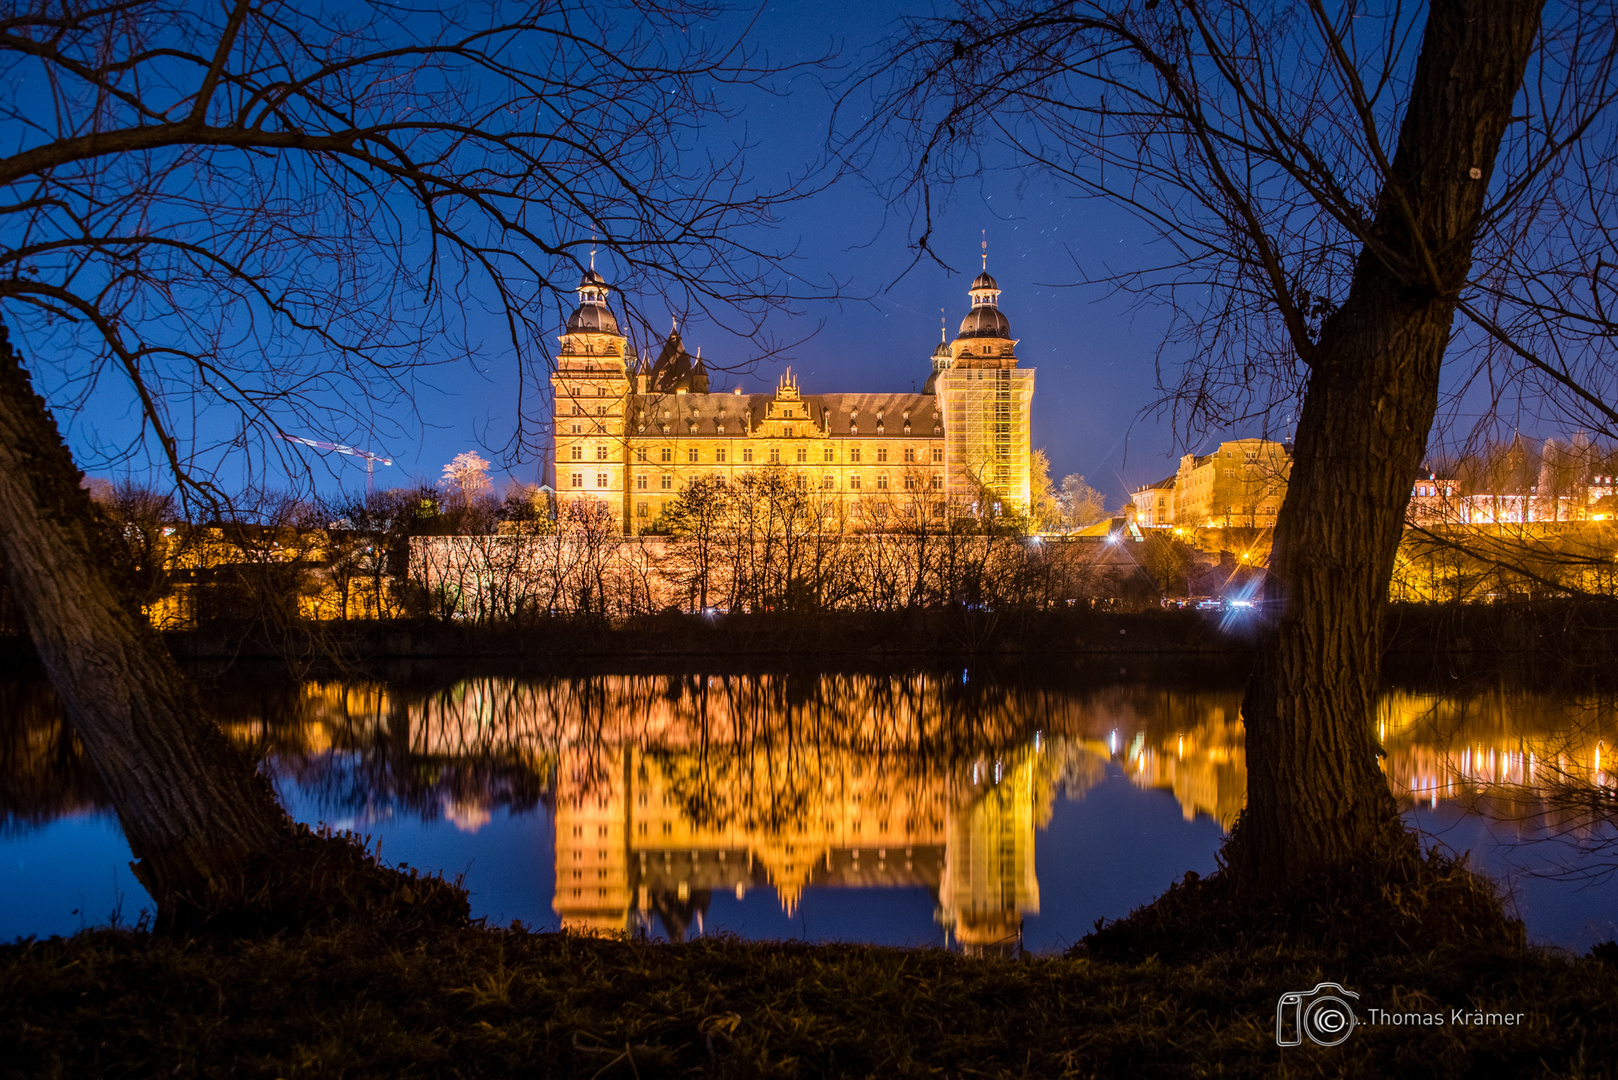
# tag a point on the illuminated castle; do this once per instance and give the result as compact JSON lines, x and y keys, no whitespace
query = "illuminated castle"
{"x":632,"y":433}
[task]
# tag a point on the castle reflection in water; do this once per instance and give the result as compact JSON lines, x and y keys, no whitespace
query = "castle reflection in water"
{"x":668,"y":790}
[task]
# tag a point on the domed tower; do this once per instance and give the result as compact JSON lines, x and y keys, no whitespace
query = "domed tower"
{"x":942,"y":358}
{"x":590,"y":392}
{"x":986,"y":400}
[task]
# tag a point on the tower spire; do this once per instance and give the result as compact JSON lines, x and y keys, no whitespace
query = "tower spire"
{"x":985,"y":251}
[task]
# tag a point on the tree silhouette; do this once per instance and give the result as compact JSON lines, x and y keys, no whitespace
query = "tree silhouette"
{"x":291,"y":212}
{"x":1335,"y":189}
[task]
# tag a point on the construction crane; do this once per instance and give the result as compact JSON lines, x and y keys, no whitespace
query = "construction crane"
{"x":371,"y":460}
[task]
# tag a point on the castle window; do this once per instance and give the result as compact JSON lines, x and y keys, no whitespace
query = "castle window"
{"x":578,"y":410}
{"x":803,"y":455}
{"x":719,"y":455}
{"x":601,"y":410}
{"x":577,"y":428}
{"x":882,"y":482}
{"x":910,"y":455}
{"x":775,"y":455}
{"x":578,"y":453}
{"x":854,"y":455}
{"x":691,"y":455}
{"x":747,"y":455}
{"x":854,"y":483}
{"x":828,"y":482}
{"x":601,"y":479}
{"x":829,"y":456}
{"x":640,"y":481}
{"x":936,"y":483}
{"x":938,"y":455}
{"x":910,"y":481}
{"x":882,"y":453}
{"x":666,"y":455}
{"x":787,"y":431}
{"x":720,"y":427}
{"x":640,"y":453}
{"x":666,"y":482}
{"x":601,"y":452}
{"x":578,"y":479}
{"x":601,"y":391}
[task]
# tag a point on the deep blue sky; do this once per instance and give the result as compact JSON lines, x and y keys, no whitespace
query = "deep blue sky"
{"x":1094,"y":356}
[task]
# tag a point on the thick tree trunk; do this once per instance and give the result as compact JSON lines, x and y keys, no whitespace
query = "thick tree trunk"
{"x":1317,"y":801}
{"x":211,"y":841}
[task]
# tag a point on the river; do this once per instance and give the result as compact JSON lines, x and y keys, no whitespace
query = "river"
{"x":972,"y":808}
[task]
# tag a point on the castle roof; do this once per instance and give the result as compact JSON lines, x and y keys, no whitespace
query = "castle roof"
{"x":984,"y":320}
{"x":675,"y":369}
{"x":842,"y":414}
{"x":592,"y":316}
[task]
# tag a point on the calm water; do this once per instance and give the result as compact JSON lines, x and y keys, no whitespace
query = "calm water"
{"x":957,"y":808}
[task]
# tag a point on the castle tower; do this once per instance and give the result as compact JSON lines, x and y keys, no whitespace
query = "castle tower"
{"x":986,"y":401}
{"x":989,"y":882}
{"x":590,"y":393}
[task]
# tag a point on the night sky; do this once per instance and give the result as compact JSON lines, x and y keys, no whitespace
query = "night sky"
{"x":1095,"y":354}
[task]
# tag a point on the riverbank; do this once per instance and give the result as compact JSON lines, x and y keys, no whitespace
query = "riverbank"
{"x":1563,"y":632}
{"x":357,"y":1002}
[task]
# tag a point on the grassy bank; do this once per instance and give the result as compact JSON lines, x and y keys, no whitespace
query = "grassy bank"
{"x":480,"y":1003}
{"x":1577,"y":633}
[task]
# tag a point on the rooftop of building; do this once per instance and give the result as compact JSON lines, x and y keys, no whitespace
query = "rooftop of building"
{"x":708,"y":411}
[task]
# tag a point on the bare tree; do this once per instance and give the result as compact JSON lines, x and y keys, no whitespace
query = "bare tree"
{"x":1336,"y":187}
{"x":290,"y":211}
{"x":1081,"y":504}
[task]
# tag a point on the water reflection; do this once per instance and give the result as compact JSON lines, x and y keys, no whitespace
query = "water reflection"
{"x":666,"y":792}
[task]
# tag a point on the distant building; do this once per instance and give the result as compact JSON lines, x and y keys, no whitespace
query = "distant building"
{"x":634,"y":433}
{"x":1240,"y":484}
{"x":1154,"y":504}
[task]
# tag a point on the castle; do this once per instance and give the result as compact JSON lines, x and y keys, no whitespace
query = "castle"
{"x":633,"y":432}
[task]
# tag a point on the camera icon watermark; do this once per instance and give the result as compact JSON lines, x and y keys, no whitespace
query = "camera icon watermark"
{"x":1320,"y":1015}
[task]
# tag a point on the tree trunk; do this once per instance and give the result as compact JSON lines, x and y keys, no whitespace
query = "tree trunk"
{"x":210,"y":840}
{"x":1317,"y":801}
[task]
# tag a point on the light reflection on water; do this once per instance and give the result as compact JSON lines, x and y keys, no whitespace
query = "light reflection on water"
{"x":922,"y":808}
